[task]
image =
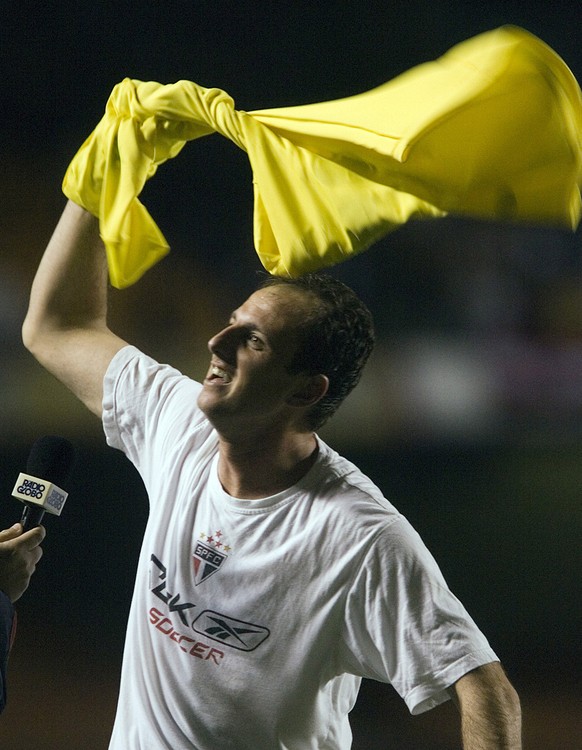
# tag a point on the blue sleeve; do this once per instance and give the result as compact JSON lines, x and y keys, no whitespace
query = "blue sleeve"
{"x":6,"y":623}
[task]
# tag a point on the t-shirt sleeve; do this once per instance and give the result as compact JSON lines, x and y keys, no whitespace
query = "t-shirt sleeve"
{"x":147,"y":408}
{"x":404,"y":625}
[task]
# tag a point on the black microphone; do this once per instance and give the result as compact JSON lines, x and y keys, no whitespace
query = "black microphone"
{"x":48,"y":466}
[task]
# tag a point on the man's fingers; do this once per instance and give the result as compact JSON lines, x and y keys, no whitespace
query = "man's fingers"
{"x":12,"y":539}
{"x":11,"y":533}
{"x":32,"y":538}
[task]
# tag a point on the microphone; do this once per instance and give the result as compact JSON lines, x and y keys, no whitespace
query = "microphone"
{"x":48,"y":466}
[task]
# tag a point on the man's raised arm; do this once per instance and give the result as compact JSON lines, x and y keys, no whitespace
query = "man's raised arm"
{"x":66,"y":324}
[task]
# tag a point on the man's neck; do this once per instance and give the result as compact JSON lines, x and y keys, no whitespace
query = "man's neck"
{"x":260,"y":468}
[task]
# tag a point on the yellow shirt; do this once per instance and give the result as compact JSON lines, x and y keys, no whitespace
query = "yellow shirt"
{"x":493,"y":129}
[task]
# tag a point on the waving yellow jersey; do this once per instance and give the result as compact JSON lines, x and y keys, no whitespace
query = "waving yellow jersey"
{"x":492,"y":129}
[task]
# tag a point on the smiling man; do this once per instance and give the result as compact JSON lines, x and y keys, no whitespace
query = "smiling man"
{"x":273,"y":575}
{"x":249,"y":376}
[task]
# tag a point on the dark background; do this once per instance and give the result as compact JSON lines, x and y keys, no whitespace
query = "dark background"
{"x":469,"y":416}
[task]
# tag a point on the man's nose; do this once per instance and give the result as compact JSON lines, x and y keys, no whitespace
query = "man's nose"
{"x":224,"y":343}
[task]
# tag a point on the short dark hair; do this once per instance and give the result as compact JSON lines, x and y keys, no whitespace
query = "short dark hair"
{"x":336,"y":338}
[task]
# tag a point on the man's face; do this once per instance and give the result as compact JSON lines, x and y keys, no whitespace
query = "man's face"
{"x":248,"y":383}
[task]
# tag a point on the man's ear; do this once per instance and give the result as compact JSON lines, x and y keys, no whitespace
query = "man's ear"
{"x":313,"y":390}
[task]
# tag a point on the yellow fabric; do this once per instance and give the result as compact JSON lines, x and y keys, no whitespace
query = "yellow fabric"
{"x":492,"y":129}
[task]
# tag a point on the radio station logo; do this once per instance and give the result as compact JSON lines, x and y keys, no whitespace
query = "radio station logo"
{"x":56,"y":500}
{"x":30,"y":488}
{"x":40,"y":492}
{"x":210,"y":552}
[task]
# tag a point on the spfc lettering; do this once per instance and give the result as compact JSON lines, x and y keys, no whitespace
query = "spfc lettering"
{"x":206,"y":562}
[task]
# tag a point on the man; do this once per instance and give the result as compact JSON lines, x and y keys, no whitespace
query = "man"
{"x":273,"y":575}
{"x":19,"y":554}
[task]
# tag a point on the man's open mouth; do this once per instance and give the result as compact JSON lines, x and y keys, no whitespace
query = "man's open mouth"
{"x":217,"y":373}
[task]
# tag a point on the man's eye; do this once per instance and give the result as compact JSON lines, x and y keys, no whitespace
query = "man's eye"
{"x":255,"y":341}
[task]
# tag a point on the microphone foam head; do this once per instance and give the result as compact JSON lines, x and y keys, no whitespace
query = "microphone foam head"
{"x":51,"y":458}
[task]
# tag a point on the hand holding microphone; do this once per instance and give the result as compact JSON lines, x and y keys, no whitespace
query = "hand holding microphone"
{"x":48,"y":466}
{"x":19,"y":555}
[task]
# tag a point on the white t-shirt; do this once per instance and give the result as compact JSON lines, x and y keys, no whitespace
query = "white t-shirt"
{"x":253,"y":621}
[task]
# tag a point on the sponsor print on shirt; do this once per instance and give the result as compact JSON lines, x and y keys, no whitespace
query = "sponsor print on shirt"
{"x":215,"y":626}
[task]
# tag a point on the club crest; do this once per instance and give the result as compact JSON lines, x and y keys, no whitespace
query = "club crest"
{"x":210,"y":552}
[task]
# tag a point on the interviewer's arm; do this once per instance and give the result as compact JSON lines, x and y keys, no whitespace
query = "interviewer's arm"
{"x":66,"y":325}
{"x":19,"y":554}
{"x":489,"y":708}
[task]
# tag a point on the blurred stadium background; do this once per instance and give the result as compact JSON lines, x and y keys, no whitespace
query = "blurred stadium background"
{"x":470,"y":414}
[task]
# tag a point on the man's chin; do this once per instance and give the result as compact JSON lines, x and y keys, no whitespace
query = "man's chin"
{"x":202,"y":401}
{"x":209,"y":404}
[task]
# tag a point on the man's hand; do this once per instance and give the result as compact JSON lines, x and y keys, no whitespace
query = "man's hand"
{"x":489,"y":708}
{"x":19,"y":555}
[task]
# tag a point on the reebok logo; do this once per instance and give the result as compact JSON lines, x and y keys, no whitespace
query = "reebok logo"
{"x":244,"y":636}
